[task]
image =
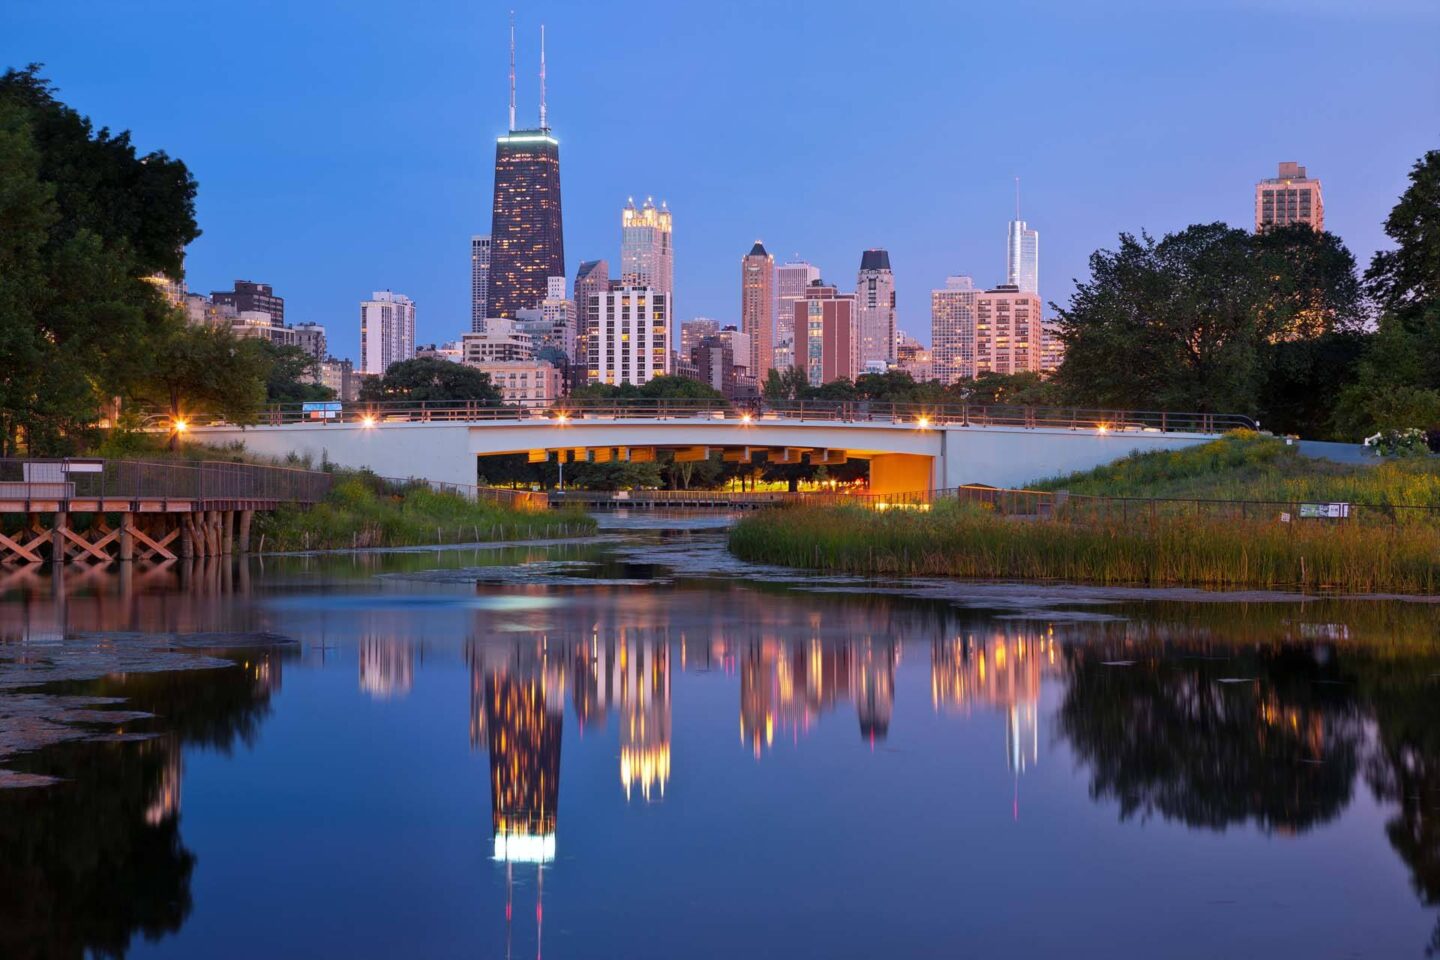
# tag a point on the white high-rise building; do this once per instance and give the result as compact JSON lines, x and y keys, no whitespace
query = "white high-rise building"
{"x":630,"y":340}
{"x":1022,"y":257}
{"x":952,"y":329}
{"x":479,"y":281}
{"x":387,"y":331}
{"x":875,"y":311}
{"x":791,"y":281}
{"x":647,"y":258}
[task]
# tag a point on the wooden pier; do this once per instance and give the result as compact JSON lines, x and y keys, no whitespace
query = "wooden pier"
{"x":105,"y":511}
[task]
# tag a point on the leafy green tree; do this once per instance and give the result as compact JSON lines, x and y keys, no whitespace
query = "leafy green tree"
{"x":679,"y":388}
{"x":86,"y":222}
{"x":782,"y":385}
{"x":1405,"y":282}
{"x":291,"y":376}
{"x":1019,"y":389}
{"x":203,"y":369}
{"x":1398,"y":381}
{"x":430,"y":380}
{"x":1168,"y":324}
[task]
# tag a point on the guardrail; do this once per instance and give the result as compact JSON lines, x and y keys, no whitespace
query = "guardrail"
{"x":99,"y":479}
{"x":857,"y":411}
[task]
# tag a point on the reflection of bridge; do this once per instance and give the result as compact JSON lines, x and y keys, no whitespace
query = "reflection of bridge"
{"x":908,"y":447}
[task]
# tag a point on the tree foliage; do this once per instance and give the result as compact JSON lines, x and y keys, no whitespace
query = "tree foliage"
{"x":84,"y":221}
{"x":430,"y":380}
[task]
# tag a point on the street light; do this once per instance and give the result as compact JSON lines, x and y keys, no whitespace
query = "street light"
{"x":179,"y":425}
{"x":923,"y":423}
{"x":367,"y":421}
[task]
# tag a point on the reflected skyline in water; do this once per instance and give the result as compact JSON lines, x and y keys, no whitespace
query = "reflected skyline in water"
{"x":1227,"y":726}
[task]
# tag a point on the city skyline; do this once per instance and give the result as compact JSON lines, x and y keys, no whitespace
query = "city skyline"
{"x":286,"y":212}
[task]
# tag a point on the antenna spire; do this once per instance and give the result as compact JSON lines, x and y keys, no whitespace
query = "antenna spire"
{"x":512,"y":71}
{"x":1017,"y":198}
{"x":543,"y":125}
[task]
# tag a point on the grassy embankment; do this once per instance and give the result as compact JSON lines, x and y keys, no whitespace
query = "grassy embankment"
{"x":1367,"y":554}
{"x":359,"y":513}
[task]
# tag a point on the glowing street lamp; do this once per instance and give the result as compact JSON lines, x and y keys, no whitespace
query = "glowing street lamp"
{"x":367,"y":421}
{"x":179,"y":425}
{"x":745,"y":418}
{"x":923,"y":423}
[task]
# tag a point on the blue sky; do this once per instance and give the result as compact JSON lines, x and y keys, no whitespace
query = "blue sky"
{"x":343,"y":147}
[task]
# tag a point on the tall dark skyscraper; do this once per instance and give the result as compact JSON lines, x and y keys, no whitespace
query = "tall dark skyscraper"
{"x":527,"y":244}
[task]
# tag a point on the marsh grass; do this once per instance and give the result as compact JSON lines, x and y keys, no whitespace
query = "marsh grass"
{"x":360,"y":513}
{"x":964,"y":540}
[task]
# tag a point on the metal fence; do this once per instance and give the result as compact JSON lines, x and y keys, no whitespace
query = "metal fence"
{"x":1079,"y":508}
{"x":858,"y":411}
{"x":158,"y":480}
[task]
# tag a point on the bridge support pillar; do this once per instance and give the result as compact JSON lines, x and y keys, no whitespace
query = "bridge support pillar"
{"x":187,"y":537}
{"x":227,"y":532}
{"x":901,"y":473}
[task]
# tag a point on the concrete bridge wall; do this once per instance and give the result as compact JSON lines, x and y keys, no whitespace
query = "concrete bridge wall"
{"x":903,"y":457}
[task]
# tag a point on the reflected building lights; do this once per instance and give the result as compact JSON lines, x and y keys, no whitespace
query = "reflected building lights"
{"x":387,"y":667}
{"x":1003,"y":671}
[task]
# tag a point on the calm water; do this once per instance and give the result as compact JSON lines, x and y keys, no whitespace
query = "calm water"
{"x":638,"y":748}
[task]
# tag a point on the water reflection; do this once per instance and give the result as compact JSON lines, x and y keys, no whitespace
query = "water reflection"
{"x":97,"y":859}
{"x":1211,"y":720}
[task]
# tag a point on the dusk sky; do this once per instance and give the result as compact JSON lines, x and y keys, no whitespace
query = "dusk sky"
{"x":345,"y":147}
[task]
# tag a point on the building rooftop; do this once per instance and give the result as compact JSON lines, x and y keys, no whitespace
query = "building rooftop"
{"x":758,"y":250}
{"x":875,"y":260}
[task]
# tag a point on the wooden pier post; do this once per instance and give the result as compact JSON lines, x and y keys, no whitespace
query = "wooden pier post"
{"x":227,"y":532}
{"x":127,"y":537}
{"x":247,"y":517}
{"x":57,"y":538}
{"x":187,"y":537}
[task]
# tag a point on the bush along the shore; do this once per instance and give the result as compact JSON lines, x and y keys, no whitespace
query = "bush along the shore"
{"x":357,"y":514}
{"x":965,"y":540}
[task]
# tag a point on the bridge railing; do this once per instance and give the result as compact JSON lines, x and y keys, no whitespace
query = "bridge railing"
{"x":921,"y":416}
{"x":105,"y":479}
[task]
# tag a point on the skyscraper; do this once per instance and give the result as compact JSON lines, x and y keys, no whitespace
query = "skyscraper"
{"x":591,"y":281}
{"x":1008,"y":333}
{"x":647,"y":258}
{"x":1289,"y":197}
{"x":527,"y":244}
{"x":791,"y":280}
{"x":479,"y":281}
{"x":952,"y":329}
{"x":757,"y":292}
{"x":630,"y":342}
{"x":875,"y":309}
{"x":387,"y":331}
{"x":1022,"y":257}
{"x":830,"y":348}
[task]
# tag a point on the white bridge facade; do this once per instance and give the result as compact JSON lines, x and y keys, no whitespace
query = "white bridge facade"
{"x":907,"y":452}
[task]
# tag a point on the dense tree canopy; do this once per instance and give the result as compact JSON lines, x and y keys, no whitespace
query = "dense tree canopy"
{"x":430,"y":380}
{"x":1398,"y":381}
{"x":86,"y":221}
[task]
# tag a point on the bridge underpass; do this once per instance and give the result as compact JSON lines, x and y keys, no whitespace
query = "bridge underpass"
{"x":908,"y":450}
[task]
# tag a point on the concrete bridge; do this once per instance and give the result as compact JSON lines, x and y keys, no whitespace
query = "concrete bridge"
{"x":909,"y":448}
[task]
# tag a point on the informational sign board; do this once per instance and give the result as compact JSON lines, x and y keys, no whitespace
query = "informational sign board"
{"x":1324,"y":511}
{"x":321,"y":409}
